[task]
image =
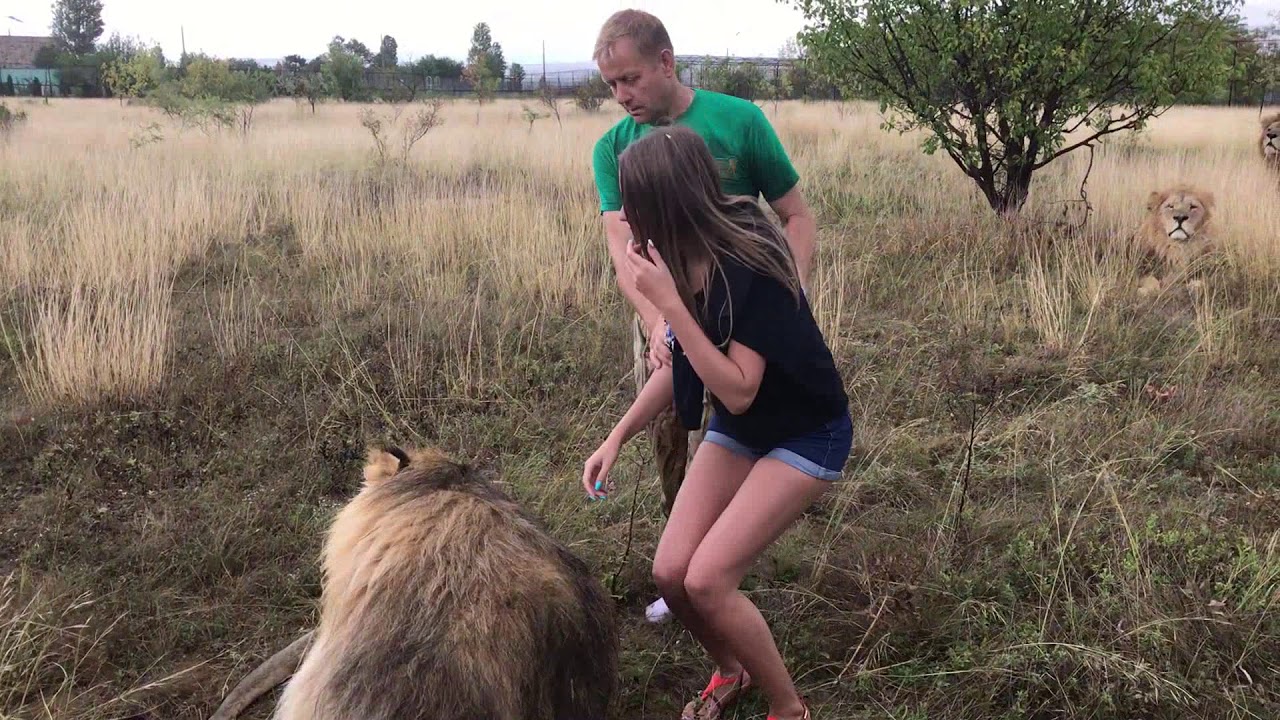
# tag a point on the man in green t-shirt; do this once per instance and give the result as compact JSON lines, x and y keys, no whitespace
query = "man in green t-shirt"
{"x":635,"y":57}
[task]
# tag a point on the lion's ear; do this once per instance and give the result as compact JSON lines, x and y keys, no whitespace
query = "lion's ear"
{"x":1154,"y":199}
{"x":401,"y":455}
{"x":381,"y":464}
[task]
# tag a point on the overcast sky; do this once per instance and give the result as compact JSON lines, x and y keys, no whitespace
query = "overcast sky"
{"x":275,"y":28}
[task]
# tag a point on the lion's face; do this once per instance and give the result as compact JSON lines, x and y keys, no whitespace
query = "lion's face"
{"x":1180,"y":213}
{"x":1270,"y":138}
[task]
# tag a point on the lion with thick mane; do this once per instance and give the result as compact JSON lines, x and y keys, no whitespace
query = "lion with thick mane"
{"x":1269,"y":140}
{"x":442,"y":598}
{"x":1175,"y":232}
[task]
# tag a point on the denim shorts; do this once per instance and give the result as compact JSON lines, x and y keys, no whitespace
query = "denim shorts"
{"x":821,"y":453}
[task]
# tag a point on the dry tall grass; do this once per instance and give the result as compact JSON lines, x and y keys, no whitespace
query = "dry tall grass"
{"x":1044,"y":460}
{"x":100,"y":227}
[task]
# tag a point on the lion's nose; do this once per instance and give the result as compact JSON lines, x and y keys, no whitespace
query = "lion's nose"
{"x":1181,"y":218}
{"x":1271,"y":135}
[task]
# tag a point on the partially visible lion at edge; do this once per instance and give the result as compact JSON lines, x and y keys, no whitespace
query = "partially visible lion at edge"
{"x":1269,"y":140}
{"x":442,"y":598}
{"x":1174,"y":233}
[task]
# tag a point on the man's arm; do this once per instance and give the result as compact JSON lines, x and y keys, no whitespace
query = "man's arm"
{"x":801,"y":229}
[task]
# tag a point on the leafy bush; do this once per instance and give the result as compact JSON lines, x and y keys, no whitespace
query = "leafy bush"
{"x":1002,"y":88}
{"x":210,"y":96}
{"x":135,"y":76}
{"x":745,"y":80}
{"x":592,"y":94}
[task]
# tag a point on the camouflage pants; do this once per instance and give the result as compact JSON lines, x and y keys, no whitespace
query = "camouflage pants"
{"x":673,"y":446}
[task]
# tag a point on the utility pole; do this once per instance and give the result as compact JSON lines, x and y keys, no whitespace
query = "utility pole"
{"x":544,"y":63}
{"x":1231,"y":87}
{"x":183,"y":31}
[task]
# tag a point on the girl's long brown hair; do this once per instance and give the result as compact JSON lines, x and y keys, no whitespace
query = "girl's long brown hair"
{"x":671,"y":195}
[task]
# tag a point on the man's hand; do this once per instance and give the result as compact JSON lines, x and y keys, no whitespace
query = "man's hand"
{"x":659,"y":354}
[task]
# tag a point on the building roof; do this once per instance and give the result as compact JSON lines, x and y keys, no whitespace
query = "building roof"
{"x":19,"y":51}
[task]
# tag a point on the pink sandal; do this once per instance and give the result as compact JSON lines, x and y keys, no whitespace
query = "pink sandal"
{"x":708,"y":706}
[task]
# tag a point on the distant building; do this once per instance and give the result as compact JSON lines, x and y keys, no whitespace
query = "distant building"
{"x":18,"y":62}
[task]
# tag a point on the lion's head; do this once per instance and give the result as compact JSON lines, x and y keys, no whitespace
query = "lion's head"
{"x":1175,"y":232}
{"x":1179,"y":214}
{"x":432,"y":567}
{"x":1269,"y":139}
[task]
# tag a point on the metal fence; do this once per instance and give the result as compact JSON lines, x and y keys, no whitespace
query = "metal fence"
{"x":754,"y":77}
{"x":86,"y":80}
{"x":82,"y":81}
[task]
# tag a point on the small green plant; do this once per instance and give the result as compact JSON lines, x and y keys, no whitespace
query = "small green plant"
{"x":484,"y":84}
{"x":415,"y":127}
{"x":146,"y":135}
{"x":549,"y":100}
{"x":531,"y":116}
{"x":10,"y":120}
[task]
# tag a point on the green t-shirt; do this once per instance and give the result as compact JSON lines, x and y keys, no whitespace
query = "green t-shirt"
{"x":752,"y":160}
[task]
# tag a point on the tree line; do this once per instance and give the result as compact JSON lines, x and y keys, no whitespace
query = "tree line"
{"x":125,"y":66}
{"x":350,"y":70}
{"x":998,"y":85}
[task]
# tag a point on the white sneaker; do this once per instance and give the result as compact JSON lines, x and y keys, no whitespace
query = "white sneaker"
{"x":657,"y":612}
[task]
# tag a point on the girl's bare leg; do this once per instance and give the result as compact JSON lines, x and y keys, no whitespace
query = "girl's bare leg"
{"x":771,"y":498}
{"x":714,"y":476}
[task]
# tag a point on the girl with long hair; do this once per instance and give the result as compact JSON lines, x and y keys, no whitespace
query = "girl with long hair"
{"x":780,"y":431}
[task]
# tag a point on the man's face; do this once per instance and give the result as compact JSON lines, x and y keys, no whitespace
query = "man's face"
{"x":643,"y":87}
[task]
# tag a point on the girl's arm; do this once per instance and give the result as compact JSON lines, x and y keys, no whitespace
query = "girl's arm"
{"x":733,"y":378}
{"x":657,"y":394}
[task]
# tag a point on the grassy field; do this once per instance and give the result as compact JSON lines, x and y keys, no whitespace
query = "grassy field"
{"x":1064,"y":499}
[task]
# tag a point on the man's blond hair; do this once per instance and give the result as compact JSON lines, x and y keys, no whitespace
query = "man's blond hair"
{"x":644,"y":29}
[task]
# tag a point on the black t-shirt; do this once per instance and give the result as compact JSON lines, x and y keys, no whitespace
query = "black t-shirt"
{"x":801,"y":389}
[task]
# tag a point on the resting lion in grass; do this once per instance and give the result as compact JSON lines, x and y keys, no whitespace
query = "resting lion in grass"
{"x":1175,"y":232}
{"x":1269,"y":141}
{"x":443,"y":599}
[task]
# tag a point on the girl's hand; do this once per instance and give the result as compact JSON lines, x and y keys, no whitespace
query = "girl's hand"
{"x":652,"y":278}
{"x":595,"y":475}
